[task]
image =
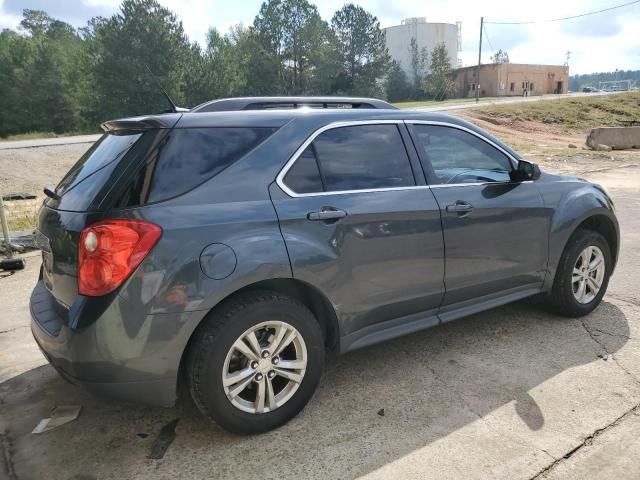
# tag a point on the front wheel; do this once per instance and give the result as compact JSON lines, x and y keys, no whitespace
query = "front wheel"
{"x":583,"y":274}
{"x":256,"y":362}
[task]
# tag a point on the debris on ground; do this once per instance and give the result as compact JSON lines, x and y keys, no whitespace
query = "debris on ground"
{"x":11,"y":264}
{"x":602,"y":148}
{"x":60,"y":415}
{"x":163,"y":441}
{"x":143,"y":435}
{"x":603,"y":356}
{"x":381,"y":412}
{"x":573,"y":145}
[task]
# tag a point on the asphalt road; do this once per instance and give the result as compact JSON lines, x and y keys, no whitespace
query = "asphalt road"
{"x":511,"y":393}
{"x":45,"y":142}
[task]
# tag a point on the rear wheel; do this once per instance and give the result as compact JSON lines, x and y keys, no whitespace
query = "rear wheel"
{"x":583,"y":274}
{"x":256,"y":362}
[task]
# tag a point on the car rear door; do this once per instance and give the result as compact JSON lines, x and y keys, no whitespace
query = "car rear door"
{"x":495,"y":229}
{"x":361,"y":226}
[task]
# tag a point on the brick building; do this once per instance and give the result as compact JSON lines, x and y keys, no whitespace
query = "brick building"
{"x":512,"y":79}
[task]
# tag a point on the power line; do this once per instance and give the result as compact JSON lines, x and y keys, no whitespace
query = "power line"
{"x":566,"y":18}
{"x":487,"y":36}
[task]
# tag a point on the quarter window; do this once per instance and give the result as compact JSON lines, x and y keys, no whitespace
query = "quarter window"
{"x":304,"y":176}
{"x":187,"y":158}
{"x":358,"y":157}
{"x":455,"y":156}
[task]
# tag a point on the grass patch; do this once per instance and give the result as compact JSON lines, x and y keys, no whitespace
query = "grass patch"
{"x":21,"y":223}
{"x":579,"y":113}
{"x":436,"y":103}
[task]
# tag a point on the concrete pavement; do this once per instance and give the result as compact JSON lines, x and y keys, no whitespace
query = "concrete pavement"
{"x":512,"y":393}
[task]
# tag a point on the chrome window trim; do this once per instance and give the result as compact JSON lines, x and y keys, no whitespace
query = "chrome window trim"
{"x":312,"y":137}
{"x":283,"y":172}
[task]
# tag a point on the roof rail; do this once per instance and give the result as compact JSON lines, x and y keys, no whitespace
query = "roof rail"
{"x":264,"y":103}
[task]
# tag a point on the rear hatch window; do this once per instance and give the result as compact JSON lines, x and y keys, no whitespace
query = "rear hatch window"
{"x":87,"y":179}
{"x":106,"y":150}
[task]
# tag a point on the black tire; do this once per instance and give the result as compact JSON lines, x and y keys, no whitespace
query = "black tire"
{"x":215,"y":337}
{"x":562,"y":298}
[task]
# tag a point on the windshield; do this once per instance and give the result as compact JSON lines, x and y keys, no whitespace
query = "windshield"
{"x":105,"y":151}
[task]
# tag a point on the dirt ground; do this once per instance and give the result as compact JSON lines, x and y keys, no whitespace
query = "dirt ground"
{"x":29,"y":169}
{"x":549,"y":145}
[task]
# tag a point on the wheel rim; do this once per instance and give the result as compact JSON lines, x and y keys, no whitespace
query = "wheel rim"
{"x":264,"y":367}
{"x":588,"y":274}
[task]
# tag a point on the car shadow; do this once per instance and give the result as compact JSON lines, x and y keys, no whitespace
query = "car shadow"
{"x":373,"y":406}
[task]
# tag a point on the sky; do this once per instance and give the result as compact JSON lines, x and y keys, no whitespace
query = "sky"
{"x":601,"y":42}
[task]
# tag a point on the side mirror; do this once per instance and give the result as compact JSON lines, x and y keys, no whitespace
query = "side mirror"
{"x":526,"y":171}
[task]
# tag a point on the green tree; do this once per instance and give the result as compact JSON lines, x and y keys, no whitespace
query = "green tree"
{"x":397,"y":87}
{"x":16,"y":58}
{"x":216,"y":72}
{"x":362,"y":49}
{"x":294,"y":41}
{"x":439,"y":84}
{"x":419,"y":63}
{"x":40,"y":76}
{"x":142,"y":33}
{"x":501,"y":56}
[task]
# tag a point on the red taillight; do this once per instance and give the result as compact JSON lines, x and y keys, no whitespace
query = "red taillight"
{"x":110,"y":251}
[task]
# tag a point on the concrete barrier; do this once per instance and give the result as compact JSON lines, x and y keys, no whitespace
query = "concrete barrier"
{"x":618,"y":138}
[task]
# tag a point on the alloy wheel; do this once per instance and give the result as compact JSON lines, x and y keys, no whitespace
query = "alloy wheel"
{"x":588,"y":274}
{"x":264,"y":367}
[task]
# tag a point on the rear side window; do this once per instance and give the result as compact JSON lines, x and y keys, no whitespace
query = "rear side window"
{"x":187,"y":158}
{"x":359,"y":157}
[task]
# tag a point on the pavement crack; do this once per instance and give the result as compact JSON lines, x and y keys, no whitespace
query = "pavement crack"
{"x":8,"y":330}
{"x":588,"y":440}
{"x":611,"y":334}
{"x":6,"y":456}
{"x":611,"y":355}
{"x":631,"y":301}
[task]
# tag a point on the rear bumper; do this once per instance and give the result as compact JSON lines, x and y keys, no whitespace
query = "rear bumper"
{"x":119,"y":356}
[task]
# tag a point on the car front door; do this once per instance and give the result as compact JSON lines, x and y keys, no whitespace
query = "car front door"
{"x":495,"y":229}
{"x":361,"y":225}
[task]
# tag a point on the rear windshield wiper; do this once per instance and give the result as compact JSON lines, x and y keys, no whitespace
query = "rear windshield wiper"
{"x":51,"y":193}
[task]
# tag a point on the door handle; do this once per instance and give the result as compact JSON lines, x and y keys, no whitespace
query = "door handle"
{"x":327,"y":213}
{"x":461,"y":208}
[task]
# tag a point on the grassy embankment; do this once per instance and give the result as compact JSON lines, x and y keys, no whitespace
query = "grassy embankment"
{"x":571,"y":114}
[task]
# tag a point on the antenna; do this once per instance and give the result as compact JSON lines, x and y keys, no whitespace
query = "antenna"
{"x":174,"y":107}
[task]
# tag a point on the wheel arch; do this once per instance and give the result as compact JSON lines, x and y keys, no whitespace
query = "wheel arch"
{"x":601,"y":221}
{"x":310,"y":296}
{"x":604,"y":226}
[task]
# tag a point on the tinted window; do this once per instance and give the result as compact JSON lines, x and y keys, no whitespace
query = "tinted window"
{"x":363,"y":157}
{"x":304,"y":176}
{"x":105,"y":151}
{"x":456,"y":156}
{"x":187,"y":158}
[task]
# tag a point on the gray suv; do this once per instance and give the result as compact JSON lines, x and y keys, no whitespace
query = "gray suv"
{"x":234,"y":245}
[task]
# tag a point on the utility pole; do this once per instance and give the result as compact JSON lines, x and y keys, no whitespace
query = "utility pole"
{"x":479,"y":60}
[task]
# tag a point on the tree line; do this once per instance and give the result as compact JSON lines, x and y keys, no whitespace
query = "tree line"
{"x":57,"y":78}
